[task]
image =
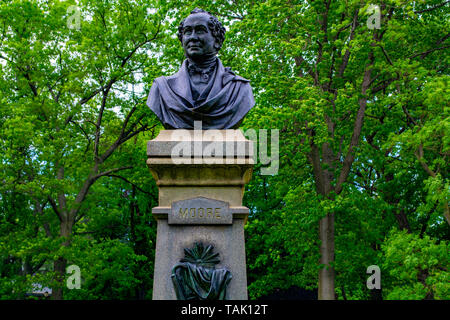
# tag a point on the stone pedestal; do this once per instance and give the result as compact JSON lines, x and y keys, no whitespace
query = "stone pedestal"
{"x":201,"y":177}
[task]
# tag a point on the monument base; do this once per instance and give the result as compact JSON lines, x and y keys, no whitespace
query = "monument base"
{"x":200,"y":202}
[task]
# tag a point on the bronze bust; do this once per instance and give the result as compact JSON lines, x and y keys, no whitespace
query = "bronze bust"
{"x":203,"y":89}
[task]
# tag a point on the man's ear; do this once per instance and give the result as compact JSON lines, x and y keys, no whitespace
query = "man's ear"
{"x":217,"y":46}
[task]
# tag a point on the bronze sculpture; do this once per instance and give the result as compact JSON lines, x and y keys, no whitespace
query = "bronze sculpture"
{"x":196,"y":277}
{"x":203,"y":89}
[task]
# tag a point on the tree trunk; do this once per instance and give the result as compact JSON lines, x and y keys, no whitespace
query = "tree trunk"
{"x":323,"y":177}
{"x":59,"y":267}
{"x":326,"y":274}
{"x":60,"y":264}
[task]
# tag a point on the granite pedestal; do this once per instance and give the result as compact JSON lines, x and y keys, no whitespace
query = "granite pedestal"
{"x":201,"y":175}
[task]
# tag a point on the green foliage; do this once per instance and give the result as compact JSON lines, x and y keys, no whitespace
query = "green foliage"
{"x":72,"y":118}
{"x":418,"y":267}
{"x":74,"y":186}
{"x":107,"y":270}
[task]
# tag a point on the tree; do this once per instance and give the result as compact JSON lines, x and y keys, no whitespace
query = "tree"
{"x":318,"y":72}
{"x":362,"y":115}
{"x":67,"y":110}
{"x":418,"y":265}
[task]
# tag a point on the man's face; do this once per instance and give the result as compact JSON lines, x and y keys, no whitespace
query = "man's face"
{"x":197,"y":39}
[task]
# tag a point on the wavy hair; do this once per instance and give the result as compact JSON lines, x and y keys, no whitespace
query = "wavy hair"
{"x":216,"y":28}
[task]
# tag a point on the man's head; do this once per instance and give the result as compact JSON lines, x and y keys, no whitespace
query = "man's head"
{"x":201,"y":34}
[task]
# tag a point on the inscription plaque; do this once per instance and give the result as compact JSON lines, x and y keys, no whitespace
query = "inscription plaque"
{"x":200,"y":210}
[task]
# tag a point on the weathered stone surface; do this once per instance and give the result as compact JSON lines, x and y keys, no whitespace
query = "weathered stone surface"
{"x":200,"y":210}
{"x":231,"y":194}
{"x":228,"y":240}
{"x":220,"y":144}
{"x":192,"y":183}
{"x":227,"y":215}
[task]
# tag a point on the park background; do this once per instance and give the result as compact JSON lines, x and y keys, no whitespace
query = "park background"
{"x":357,"y":90}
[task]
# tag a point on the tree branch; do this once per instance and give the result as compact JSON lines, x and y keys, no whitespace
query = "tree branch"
{"x":84,"y":133}
{"x":121,"y":139}
{"x":86,"y":186}
{"x":40,"y":209}
{"x":108,"y":172}
{"x":89,"y":97}
{"x":419,"y":155}
{"x":100,"y":117}
{"x":385,"y":54}
{"x":129,"y":182}
{"x":125,"y":60}
{"x":432,"y":8}
{"x":55,"y":208}
{"x":408,"y":115}
{"x":357,"y":127}
{"x":107,"y":89}
{"x":424,"y":54}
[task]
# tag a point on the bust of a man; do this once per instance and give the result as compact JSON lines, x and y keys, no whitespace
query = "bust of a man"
{"x":203,"y":89}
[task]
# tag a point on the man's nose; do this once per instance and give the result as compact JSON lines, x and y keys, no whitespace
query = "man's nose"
{"x":193,"y":36}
